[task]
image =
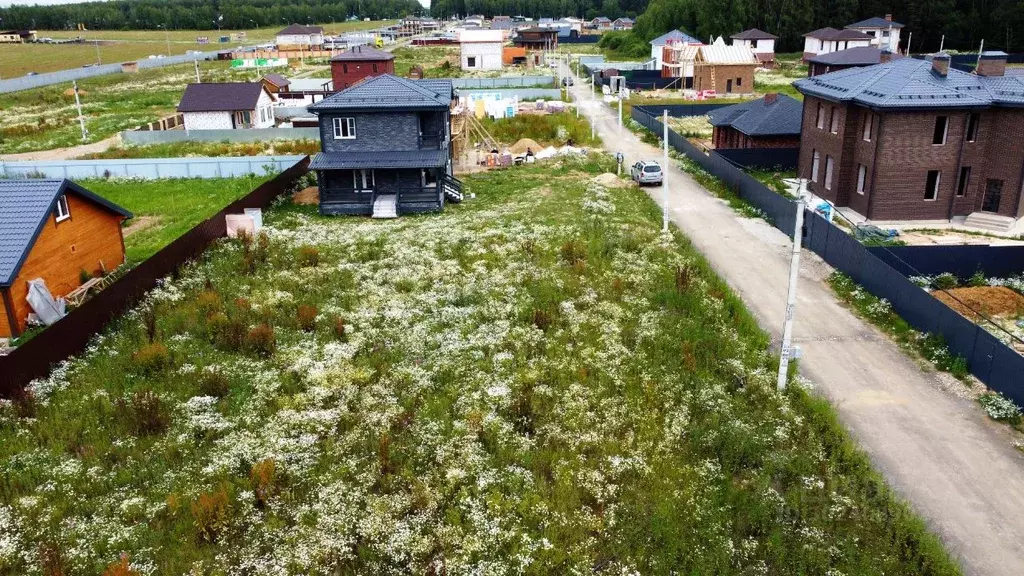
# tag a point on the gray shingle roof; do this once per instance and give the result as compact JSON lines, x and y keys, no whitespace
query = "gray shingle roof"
{"x":674,"y":35}
{"x":829,"y":33}
{"x":380,"y":160}
{"x":220,"y":97}
{"x":359,"y":53}
{"x":875,"y":22}
{"x":25,"y":206}
{"x":297,"y":29}
{"x":390,"y":92}
{"x":910,"y":84}
{"x":759,"y":118}
{"x":754,"y":34}
{"x":276,"y":79}
{"x":859,"y":56}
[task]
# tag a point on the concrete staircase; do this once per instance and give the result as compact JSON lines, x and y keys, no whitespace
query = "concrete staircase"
{"x":990,"y":222}
{"x":385,"y":206}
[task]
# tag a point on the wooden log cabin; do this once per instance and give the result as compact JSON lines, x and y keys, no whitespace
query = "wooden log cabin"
{"x":53,"y":230}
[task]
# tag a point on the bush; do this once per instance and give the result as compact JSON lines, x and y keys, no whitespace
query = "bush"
{"x":208,"y":301}
{"x":574,"y":252}
{"x":308,"y":257}
{"x":84,"y":276}
{"x":121,"y":568}
{"x":306,"y":315}
{"x":214,"y":383}
{"x":145,"y":413}
{"x":261,"y":341}
{"x":945,"y":281}
{"x":977,"y":279}
{"x":263,"y":479}
{"x":152,"y":358}
{"x":226,"y":333}
{"x":210,"y":513}
{"x":1000,"y":408}
{"x":339,"y":329}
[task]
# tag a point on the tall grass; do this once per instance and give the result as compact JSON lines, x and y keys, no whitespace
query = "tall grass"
{"x":547,"y":129}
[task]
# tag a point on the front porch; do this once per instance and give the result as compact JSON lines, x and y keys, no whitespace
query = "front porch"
{"x":409,"y":190}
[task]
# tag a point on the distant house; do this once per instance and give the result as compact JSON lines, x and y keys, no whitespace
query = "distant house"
{"x":52,"y":230}
{"x":17,"y":36}
{"x":769,"y":122}
{"x":359,"y":63}
{"x":275,"y":83}
{"x":884,"y":33}
{"x":761,"y":43}
{"x":476,"y":20}
{"x":386,"y":148}
{"x":825,"y":40}
{"x":297,"y":36}
{"x":622,"y":24}
{"x":724,"y":69}
{"x":536,"y":38}
{"x":675,"y":36}
{"x":917,"y":140}
{"x":226,"y":106}
{"x":480,"y":49}
{"x":850,"y":58}
{"x":601,"y":23}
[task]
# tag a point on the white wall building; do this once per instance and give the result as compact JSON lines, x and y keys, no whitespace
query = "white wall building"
{"x":298,"y":36}
{"x":227,"y":106}
{"x":675,"y":36}
{"x":481,"y":49}
{"x":761,"y":43}
{"x":828,"y":40}
{"x":884,"y":33}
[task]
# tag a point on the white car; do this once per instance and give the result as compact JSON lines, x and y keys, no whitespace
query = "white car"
{"x":647,"y":172}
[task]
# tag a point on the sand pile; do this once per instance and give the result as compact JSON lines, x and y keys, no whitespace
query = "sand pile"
{"x":609,"y":180}
{"x":309,"y":195}
{"x":521,"y":146}
{"x":71,"y":92}
{"x":989,"y":300}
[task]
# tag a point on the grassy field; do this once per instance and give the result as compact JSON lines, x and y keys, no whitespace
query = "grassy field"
{"x":547,"y":130}
{"x":431,"y":58}
{"x":535,"y":381}
{"x":45,"y":118}
{"x":185,"y":149}
{"x":166,"y":209}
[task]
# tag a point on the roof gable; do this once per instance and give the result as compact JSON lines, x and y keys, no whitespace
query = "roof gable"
{"x":674,"y":35}
{"x":363,"y":52}
{"x":762,"y":118}
{"x":754,"y":34}
{"x":221,"y":96}
{"x":25,"y":206}
{"x":299,"y":29}
{"x":875,"y":22}
{"x":719,"y":53}
{"x":859,"y":56}
{"x":390,"y":92}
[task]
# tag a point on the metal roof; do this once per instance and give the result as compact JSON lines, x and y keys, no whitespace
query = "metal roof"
{"x":875,"y":22}
{"x":829,"y":33}
{"x":379,"y":160}
{"x":390,"y":92}
{"x":297,"y":29}
{"x":910,"y":84}
{"x":674,"y":35}
{"x":276,"y":80}
{"x":760,"y":118}
{"x":25,"y":206}
{"x":359,"y":53}
{"x":859,"y":56}
{"x":220,"y":97}
{"x":722,"y":54}
{"x":754,"y":34}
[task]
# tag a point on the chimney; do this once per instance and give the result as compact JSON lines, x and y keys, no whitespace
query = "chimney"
{"x":885,"y":57}
{"x":888,"y":17}
{"x":991,"y":63}
{"x":940,"y":64}
{"x":771,"y":97}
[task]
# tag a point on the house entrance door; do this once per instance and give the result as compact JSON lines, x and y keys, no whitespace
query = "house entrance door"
{"x":363,"y":180}
{"x":993,"y":193}
{"x":728,"y":86}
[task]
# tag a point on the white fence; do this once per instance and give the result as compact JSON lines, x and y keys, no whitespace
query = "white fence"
{"x":503,"y":82}
{"x":144,"y":137}
{"x":148,"y":168}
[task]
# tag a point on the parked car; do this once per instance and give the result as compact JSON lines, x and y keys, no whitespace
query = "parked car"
{"x":647,"y":172}
{"x":567,"y":81}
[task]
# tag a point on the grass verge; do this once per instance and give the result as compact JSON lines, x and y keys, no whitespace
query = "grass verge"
{"x":209,"y":149}
{"x":547,"y":129}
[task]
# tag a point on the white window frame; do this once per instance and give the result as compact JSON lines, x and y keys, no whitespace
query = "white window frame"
{"x":819,"y":120}
{"x":977,"y":126}
{"x":862,"y":176}
{"x":935,"y":190}
{"x":815,"y":165}
{"x":866,"y":134}
{"x":945,"y":131}
{"x":833,"y":122}
{"x":349,"y":125}
{"x":63,"y":211}
{"x":829,"y":168}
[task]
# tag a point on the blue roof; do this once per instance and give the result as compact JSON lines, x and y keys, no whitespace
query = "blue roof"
{"x":25,"y":206}
{"x":759,"y":118}
{"x":875,"y":22}
{"x":675,"y":35}
{"x":909,"y":84}
{"x":379,"y":160}
{"x":390,"y":92}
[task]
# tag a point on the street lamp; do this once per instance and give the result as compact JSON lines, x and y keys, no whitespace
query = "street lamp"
{"x":167,"y":37}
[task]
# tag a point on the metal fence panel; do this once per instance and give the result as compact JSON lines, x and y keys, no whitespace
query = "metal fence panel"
{"x":503,"y":82}
{"x":963,"y":261}
{"x":146,"y":137}
{"x":680,"y":110}
{"x":149,"y":168}
{"x":768,"y":158}
{"x":985,"y":347}
{"x":62,"y":76}
{"x":960,"y":333}
{"x":1006,"y":374}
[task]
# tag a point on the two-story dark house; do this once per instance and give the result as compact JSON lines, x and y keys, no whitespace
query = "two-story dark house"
{"x":916,"y":140}
{"x":386,"y":148}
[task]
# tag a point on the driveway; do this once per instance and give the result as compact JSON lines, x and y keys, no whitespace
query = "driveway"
{"x":958,"y":469}
{"x":64,"y":153}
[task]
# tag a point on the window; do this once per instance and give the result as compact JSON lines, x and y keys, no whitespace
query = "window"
{"x":941,"y":125}
{"x":820,"y":118}
{"x":471,"y":61}
{"x":429,"y":177}
{"x":374,"y":67}
{"x":972,"y":127}
{"x":753,"y":43}
{"x":862,"y":174}
{"x":739,"y":82}
{"x":867,"y":127}
{"x":828,"y":172}
{"x":344,"y":68}
{"x":834,"y":124}
{"x":816,"y":160}
{"x":62,"y":209}
{"x":344,"y":128}
{"x":964,"y":182}
{"x":931,"y":185}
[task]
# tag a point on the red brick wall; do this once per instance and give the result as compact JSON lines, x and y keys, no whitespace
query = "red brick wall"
{"x":345,"y":74}
{"x":728,"y":137}
{"x":826,"y":143}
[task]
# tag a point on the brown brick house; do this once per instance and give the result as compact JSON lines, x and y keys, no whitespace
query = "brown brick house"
{"x":724,"y":69}
{"x":358,"y":63}
{"x":769,"y":122}
{"x":916,"y":140}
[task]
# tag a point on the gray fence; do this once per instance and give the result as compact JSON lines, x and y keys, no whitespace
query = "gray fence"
{"x":991,"y":361}
{"x":962,"y":261}
{"x":149,"y":168}
{"x":765,"y":158}
{"x":143,"y":137}
{"x":521,"y":93}
{"x":503,"y":82}
{"x":48,"y":78}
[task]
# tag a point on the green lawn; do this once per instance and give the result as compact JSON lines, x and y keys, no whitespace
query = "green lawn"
{"x":535,"y":381}
{"x":431,"y":58}
{"x":166,"y":209}
{"x":183,"y":149}
{"x":547,"y":129}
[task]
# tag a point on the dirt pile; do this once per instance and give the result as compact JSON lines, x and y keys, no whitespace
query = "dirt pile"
{"x":989,"y":300}
{"x":71,"y":92}
{"x":524,"y":143}
{"x":309,"y":196}
{"x":609,"y":180}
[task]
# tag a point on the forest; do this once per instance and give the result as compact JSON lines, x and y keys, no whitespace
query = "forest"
{"x":198,"y":14}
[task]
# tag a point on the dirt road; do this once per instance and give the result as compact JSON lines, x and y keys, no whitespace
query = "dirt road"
{"x":957,"y":468}
{"x":64,"y":153}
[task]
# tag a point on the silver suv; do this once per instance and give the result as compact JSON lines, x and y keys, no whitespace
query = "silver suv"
{"x":647,"y":172}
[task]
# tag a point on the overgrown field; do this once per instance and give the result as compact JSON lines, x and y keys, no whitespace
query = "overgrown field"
{"x":210,"y":149}
{"x":546,"y":129}
{"x":46,"y":118}
{"x":535,"y":381}
{"x":437,"y":61}
{"x":166,"y":209}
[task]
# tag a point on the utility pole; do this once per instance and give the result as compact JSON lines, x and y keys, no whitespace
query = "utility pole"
{"x":196,"y":62}
{"x":942,"y":43}
{"x":981,"y":48}
{"x":98,"y":60}
{"x":794,"y":272}
{"x":81,"y":118}
{"x":664,"y":176}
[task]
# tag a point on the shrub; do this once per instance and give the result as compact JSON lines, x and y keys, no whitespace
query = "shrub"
{"x":152,"y":358}
{"x":51,"y":559}
{"x":339,"y":329}
{"x":149,"y":321}
{"x":977,"y":279}
{"x":542,"y":319}
{"x":261,"y":341}
{"x":121,"y":568}
{"x":145,"y":413}
{"x":226,"y":333}
{"x":683,"y":278}
{"x":214,"y":383}
{"x":306,"y":315}
{"x":945,"y":281}
{"x":998,"y":407}
{"x":210,"y":513}
{"x":263,"y":479}
{"x":208,"y":301}
{"x":308,"y":257}
{"x":573,"y":252}
{"x":84,"y":276}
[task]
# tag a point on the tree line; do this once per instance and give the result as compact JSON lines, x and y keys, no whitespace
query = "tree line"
{"x":199,"y":14}
{"x":539,"y":8}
